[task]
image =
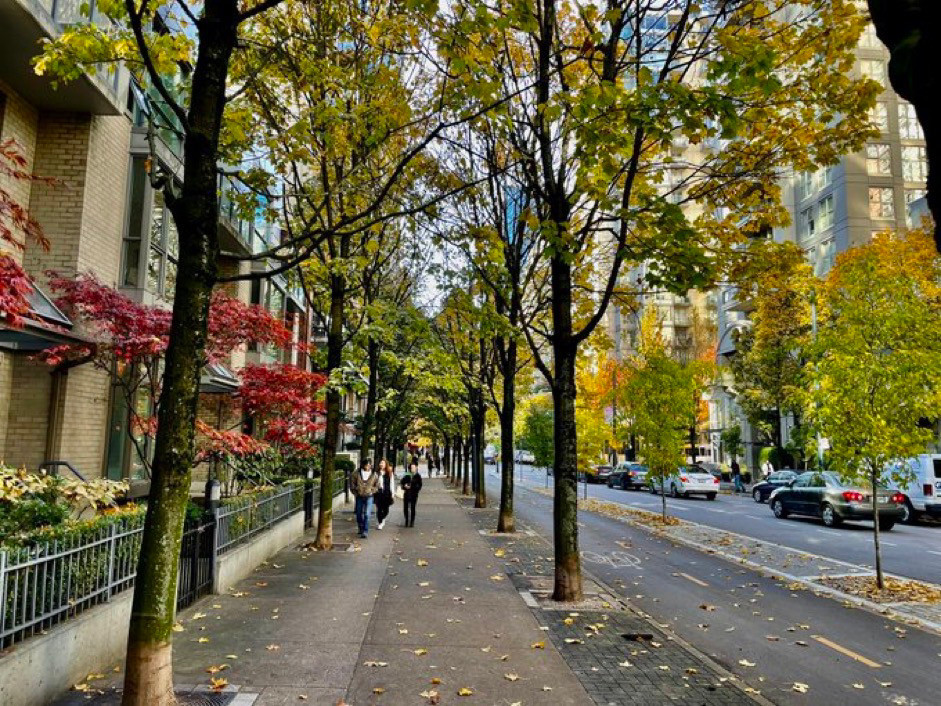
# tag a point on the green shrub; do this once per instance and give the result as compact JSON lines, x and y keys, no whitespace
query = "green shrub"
{"x":344,"y":465}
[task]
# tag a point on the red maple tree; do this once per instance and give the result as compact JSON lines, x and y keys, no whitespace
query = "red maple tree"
{"x":15,"y":284}
{"x":284,"y":397}
{"x":129,"y":340}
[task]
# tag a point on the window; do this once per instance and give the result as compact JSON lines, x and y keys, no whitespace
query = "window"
{"x":163,"y":253}
{"x":881,"y":202}
{"x":878,"y":160}
{"x":911,"y":196}
{"x":806,"y":225}
{"x":909,"y":126}
{"x":130,"y":276}
{"x":805,"y":185}
{"x":914,"y":164}
{"x":825,"y":258}
{"x":869,"y":39}
{"x":879,"y":117}
{"x":825,"y":213}
{"x":874,"y":69}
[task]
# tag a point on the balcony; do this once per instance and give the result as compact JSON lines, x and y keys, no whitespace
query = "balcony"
{"x":26,"y":23}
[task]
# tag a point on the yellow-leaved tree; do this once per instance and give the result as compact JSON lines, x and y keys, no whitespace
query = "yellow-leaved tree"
{"x":663,"y":394}
{"x":876,"y":372}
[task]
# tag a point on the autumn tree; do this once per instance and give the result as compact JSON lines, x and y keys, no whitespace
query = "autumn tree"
{"x":910,"y":29}
{"x":663,"y":393}
{"x":770,"y":354}
{"x":876,"y":374}
{"x":601,"y":104}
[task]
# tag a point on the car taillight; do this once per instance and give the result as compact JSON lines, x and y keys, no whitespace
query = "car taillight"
{"x":851,"y":496}
{"x":898,"y":499}
{"x":715,"y":480}
{"x":684,"y":479}
{"x":928,"y":489}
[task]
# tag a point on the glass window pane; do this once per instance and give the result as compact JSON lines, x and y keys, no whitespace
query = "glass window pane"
{"x":131,"y":277}
{"x":909,"y":126}
{"x":170,"y":283}
{"x":881,"y":203}
{"x":914,"y":164}
{"x":156,"y":222}
{"x":173,"y":238}
{"x":878,"y":160}
{"x":154,"y":276}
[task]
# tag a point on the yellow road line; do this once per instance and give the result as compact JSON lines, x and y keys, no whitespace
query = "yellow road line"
{"x":848,"y":652}
{"x":693,"y":579}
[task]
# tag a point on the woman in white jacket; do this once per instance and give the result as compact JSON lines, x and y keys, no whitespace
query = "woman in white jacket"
{"x":386,"y":495}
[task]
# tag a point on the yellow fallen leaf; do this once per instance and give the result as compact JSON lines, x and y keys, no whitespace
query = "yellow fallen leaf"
{"x":378,"y":690}
{"x":800,"y":688}
{"x":538,"y":645}
{"x":218,"y":683}
{"x":464,"y":691}
{"x":500,"y":553}
{"x":178,"y":627}
{"x":420,"y":651}
{"x":625,"y":663}
{"x":511,"y":677}
{"x":569,"y":621}
{"x":857,"y":685}
{"x":746,"y":663}
{"x":664,"y":668}
{"x":496,"y":577}
{"x":692,"y":670}
{"x":375,"y":664}
{"x":203,"y":639}
{"x":198,"y":616}
{"x":574,"y":641}
{"x":214,"y":669}
{"x":422,"y":562}
{"x":435,"y":680}
{"x":272,"y":648}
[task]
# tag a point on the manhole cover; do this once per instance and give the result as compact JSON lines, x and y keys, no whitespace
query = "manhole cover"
{"x":203,"y":698}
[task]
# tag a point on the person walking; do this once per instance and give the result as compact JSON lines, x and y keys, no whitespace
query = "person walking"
{"x":737,"y":477}
{"x":385,"y":497}
{"x":411,"y":484}
{"x":364,"y":486}
{"x":766,"y":468}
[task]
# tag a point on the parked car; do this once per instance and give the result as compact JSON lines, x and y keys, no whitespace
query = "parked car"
{"x":525,"y":457}
{"x":599,"y":474}
{"x":628,"y":476}
{"x":490,"y":454}
{"x":825,"y":495}
{"x":762,"y":490}
{"x":710,"y":467}
{"x":923,"y":492}
{"x":688,"y":480}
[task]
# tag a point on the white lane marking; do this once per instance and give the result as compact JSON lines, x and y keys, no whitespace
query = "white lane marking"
{"x":888,"y":544}
{"x":693,"y":579}
{"x":710,"y":509}
{"x":931,"y":552}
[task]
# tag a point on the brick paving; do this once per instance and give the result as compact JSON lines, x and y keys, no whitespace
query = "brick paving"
{"x":619,"y":656}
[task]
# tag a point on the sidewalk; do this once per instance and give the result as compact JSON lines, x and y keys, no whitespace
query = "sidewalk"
{"x":408,"y":616}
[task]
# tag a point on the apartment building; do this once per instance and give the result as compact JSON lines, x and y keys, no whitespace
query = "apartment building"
{"x":101,"y":216}
{"x":833,"y":209}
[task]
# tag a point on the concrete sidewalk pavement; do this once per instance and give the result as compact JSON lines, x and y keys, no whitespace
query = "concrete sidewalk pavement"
{"x":409,"y":616}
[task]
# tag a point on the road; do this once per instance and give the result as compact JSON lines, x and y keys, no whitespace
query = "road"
{"x":844,"y":655}
{"x":908,"y":550}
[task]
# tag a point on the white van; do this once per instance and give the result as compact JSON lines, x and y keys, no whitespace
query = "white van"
{"x":923,"y":493}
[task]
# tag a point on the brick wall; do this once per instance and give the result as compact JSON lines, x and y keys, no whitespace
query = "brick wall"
{"x":25,"y":437}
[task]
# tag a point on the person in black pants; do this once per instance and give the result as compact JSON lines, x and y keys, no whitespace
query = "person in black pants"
{"x":411,"y":485}
{"x":386,"y":495}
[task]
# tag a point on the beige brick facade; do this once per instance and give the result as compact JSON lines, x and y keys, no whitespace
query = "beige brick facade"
{"x":82,"y":215}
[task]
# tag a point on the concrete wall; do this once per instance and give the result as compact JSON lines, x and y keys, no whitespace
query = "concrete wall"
{"x":39,"y":670}
{"x":235,"y":565}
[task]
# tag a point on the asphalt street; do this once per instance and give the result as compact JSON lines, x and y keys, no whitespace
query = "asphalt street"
{"x":908,"y":550}
{"x":756,"y":627}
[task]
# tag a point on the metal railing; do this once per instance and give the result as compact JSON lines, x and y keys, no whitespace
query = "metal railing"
{"x":239,"y":522}
{"x":43,"y":585}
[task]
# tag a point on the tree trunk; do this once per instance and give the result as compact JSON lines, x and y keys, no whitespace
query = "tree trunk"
{"x":465,"y":490}
{"x":876,"y":539}
{"x":149,"y":668}
{"x":455,"y":479}
{"x":369,"y":415}
{"x":663,"y":498}
{"x":447,"y":457}
{"x":568,"y":570}
{"x":332,"y":432}
{"x":505,"y":520}
{"x":480,"y":499}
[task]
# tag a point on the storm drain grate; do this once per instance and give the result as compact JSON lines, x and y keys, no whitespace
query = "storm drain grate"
{"x":637,"y":636}
{"x":202,"y":698}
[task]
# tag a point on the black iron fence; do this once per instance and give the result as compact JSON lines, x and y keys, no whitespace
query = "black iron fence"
{"x":46,"y":584}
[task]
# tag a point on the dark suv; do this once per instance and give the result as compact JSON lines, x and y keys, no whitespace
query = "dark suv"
{"x":628,"y":476}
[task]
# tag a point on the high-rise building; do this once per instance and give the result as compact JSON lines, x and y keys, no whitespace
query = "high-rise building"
{"x":833,"y":209}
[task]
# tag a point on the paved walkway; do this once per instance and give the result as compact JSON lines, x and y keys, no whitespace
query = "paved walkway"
{"x":409,"y":616}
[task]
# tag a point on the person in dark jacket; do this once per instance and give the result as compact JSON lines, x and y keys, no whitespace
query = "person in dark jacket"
{"x":386,"y":495}
{"x":364,"y":483}
{"x":737,"y":477}
{"x":411,"y":485}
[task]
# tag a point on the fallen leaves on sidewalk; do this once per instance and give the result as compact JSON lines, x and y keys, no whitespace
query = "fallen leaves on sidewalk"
{"x":378,"y":690}
{"x":420,"y":651}
{"x":464,"y":691}
{"x":800,"y":688}
{"x":422,"y":562}
{"x":218,"y":683}
{"x":538,"y":645}
{"x":433,"y":696}
{"x":511,"y":677}
{"x":216,"y":669}
{"x":746,"y":663}
{"x":371,"y":663}
{"x":896,"y":590}
{"x":272,"y":648}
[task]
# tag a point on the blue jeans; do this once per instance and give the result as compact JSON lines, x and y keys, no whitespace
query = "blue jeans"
{"x":739,"y":484}
{"x":363,"y":508}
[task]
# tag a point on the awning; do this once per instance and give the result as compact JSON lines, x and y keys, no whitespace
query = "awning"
{"x":44,"y":327}
{"x":217,"y":378}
